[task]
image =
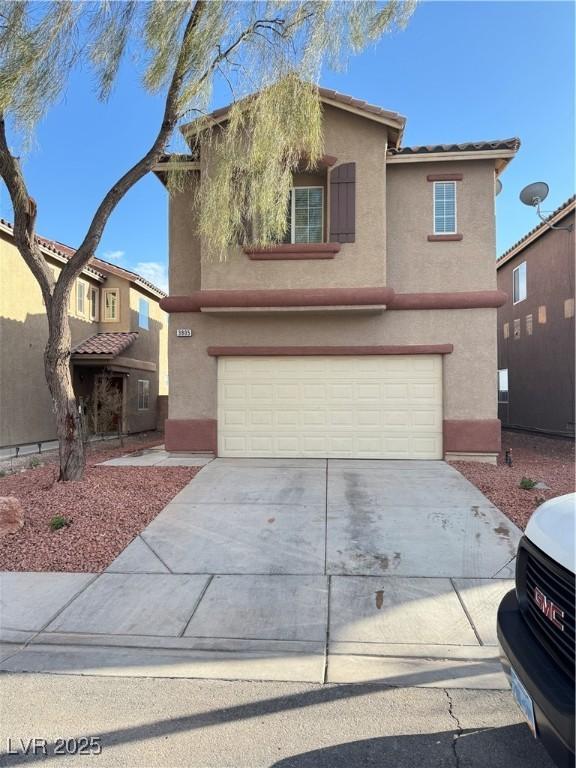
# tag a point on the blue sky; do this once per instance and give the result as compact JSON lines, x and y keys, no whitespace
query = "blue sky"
{"x":460,"y":71}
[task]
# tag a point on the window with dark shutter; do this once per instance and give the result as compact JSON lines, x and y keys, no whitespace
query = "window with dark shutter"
{"x":343,"y":203}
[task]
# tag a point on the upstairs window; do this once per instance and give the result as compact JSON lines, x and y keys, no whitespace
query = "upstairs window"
{"x":519,"y":283}
{"x":305,"y":215}
{"x":503,"y":385}
{"x":111,"y":305}
{"x":93,"y":300}
{"x":81,"y":298}
{"x":143,"y":312}
{"x":444,"y":207}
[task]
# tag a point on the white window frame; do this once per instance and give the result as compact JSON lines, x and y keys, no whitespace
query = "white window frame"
{"x":503,"y":375}
{"x":143,"y":394}
{"x":516,"y":300}
{"x":293,"y":215}
{"x":93,"y":302}
{"x":105,"y":317}
{"x":141,"y":301}
{"x":445,"y":231}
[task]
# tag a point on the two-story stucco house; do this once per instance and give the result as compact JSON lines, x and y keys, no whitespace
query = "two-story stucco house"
{"x":536,"y":328}
{"x":371,"y":333}
{"x":118,"y":332}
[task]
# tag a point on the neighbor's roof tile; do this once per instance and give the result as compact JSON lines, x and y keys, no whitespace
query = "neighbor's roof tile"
{"x":468,"y":146}
{"x":105,"y":344}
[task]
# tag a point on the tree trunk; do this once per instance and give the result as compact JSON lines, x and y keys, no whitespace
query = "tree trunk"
{"x":59,"y":378}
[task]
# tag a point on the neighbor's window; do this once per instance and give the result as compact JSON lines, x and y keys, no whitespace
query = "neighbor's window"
{"x":111,"y":300}
{"x":517,"y":328}
{"x":143,"y":394}
{"x":143,"y":311}
{"x":542,"y":314}
{"x":305,"y":215}
{"x":529,"y":325}
{"x":519,"y":283}
{"x":444,"y":207}
{"x":93,"y":298}
{"x":503,"y":385}
{"x":80,"y":297}
{"x":506,"y":330}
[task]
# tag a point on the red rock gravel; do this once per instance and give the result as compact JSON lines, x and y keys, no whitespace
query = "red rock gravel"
{"x":106,"y":510}
{"x":546,"y":459}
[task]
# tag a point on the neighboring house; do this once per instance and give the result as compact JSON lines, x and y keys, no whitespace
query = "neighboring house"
{"x":372,"y":333}
{"x":536,"y":328}
{"x":118,"y":331}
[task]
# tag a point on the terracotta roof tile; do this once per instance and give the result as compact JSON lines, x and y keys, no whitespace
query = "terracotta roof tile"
{"x":468,"y":146}
{"x":105,"y":344}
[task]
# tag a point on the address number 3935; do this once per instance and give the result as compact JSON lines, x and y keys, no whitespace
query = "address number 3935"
{"x":184,"y":332}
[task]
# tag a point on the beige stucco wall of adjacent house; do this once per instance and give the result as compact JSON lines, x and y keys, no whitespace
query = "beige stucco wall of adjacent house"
{"x":26,"y":413}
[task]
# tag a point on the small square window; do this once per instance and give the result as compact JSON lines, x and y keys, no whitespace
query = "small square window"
{"x":529,"y":324}
{"x":517,"y":329}
{"x":503,"y":385}
{"x":444,"y":207}
{"x":519,"y":283}
{"x":542,"y":314}
{"x":143,"y":394}
{"x":143,"y":312}
{"x":506,"y":330}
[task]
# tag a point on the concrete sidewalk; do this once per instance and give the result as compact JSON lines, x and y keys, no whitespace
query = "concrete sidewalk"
{"x":289,"y":570}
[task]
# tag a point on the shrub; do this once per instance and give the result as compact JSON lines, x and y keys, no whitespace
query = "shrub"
{"x":3,"y":473}
{"x":33,"y":462}
{"x":527,"y":483}
{"x":59,"y":521}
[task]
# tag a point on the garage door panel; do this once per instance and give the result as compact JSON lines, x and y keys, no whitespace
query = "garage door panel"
{"x":364,"y":407}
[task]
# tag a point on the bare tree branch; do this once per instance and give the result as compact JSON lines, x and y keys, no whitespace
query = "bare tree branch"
{"x":24,"y":216}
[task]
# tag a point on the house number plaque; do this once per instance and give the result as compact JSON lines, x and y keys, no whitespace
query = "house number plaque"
{"x":183,"y":331}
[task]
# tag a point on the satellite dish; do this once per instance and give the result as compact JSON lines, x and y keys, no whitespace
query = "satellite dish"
{"x":498,"y":187}
{"x":535,"y":193}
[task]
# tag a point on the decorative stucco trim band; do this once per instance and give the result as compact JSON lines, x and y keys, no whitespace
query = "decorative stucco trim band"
{"x":294,"y":252}
{"x":197,"y":435}
{"x":291,"y":297}
{"x":408,"y":349}
{"x":459,"y":300}
{"x":444,"y":177}
{"x":325,"y":297}
{"x":445,"y":238}
{"x":466,"y":436}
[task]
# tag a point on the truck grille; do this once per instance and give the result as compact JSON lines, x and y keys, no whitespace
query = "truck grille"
{"x":546,"y":598}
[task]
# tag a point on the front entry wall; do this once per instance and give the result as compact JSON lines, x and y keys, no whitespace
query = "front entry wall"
{"x":371,"y":407}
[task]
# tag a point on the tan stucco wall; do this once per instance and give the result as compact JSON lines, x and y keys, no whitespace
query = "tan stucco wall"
{"x":469,"y":372}
{"x":416,"y":265}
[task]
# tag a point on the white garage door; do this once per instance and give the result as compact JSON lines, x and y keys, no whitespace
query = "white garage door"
{"x":382,"y":407}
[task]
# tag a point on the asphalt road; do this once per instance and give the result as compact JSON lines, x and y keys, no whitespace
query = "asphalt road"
{"x":167,"y":723}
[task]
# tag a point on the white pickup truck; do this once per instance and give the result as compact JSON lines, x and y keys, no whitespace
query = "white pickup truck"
{"x":536,"y":627}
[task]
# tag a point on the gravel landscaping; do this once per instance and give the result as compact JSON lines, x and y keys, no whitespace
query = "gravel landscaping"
{"x":547,"y":460}
{"x":105,"y":510}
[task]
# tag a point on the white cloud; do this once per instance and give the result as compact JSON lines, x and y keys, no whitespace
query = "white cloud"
{"x":154,"y":272}
{"x":113,"y":255}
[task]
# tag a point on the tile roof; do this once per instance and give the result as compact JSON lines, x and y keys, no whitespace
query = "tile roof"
{"x":539,"y":228}
{"x":105,"y":344}
{"x":468,"y":146}
{"x":96,"y":266}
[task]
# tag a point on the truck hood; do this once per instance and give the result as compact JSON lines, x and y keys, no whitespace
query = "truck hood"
{"x":552,"y":528}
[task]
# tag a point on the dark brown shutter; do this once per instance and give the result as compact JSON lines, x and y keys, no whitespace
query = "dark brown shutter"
{"x":343,"y":203}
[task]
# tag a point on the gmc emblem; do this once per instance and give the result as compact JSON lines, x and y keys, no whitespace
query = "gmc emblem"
{"x":549,"y":609}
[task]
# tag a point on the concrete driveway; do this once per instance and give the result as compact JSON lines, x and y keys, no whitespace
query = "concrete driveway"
{"x":306,"y":570}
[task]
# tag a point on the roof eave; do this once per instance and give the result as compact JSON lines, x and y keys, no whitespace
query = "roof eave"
{"x":535,"y":234}
{"x":501,"y":156}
